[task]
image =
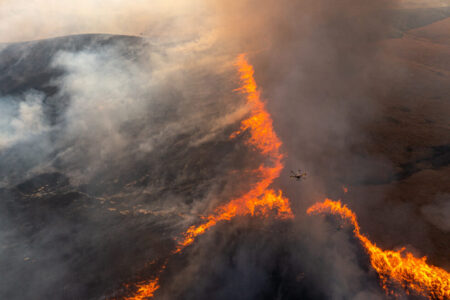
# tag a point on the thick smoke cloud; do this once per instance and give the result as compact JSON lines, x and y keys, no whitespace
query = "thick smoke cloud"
{"x":121,"y":138}
{"x":126,"y":143}
{"x":21,"y":119}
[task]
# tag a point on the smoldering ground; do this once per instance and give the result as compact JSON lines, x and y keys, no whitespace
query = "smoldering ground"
{"x":130,"y":144}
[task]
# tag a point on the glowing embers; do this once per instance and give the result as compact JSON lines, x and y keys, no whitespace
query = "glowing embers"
{"x":145,"y":290}
{"x":400,"y":267}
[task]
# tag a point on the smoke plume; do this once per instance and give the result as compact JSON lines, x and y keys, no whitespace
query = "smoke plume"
{"x":115,"y":125}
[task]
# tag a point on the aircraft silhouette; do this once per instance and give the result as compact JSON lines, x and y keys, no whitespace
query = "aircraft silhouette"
{"x":299,"y":175}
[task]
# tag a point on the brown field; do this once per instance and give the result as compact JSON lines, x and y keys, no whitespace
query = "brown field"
{"x":413,"y":132}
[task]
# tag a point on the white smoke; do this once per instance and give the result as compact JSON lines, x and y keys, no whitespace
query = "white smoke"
{"x":21,"y":118}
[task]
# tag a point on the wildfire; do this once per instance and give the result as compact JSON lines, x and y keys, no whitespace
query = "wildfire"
{"x":400,"y":267}
{"x":260,"y":200}
{"x":413,"y":274}
{"x":145,"y":290}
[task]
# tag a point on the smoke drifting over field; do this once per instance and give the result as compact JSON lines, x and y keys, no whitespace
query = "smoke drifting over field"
{"x":112,"y":145}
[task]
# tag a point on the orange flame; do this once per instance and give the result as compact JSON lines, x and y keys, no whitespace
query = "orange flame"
{"x":412,"y":273}
{"x":145,"y":290}
{"x":260,"y":200}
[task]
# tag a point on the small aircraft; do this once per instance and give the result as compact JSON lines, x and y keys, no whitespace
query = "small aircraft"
{"x":299,"y":175}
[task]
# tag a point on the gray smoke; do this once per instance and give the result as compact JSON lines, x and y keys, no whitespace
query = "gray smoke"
{"x":111,"y":146}
{"x":438,"y":212}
